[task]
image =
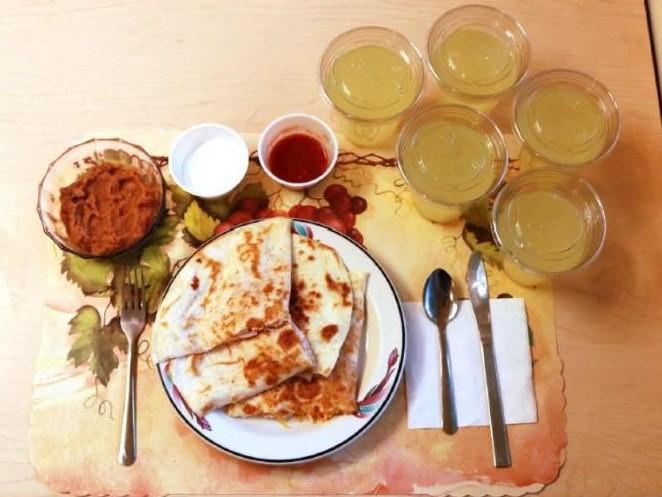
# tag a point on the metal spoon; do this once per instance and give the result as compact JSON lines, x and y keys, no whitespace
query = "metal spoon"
{"x":441,"y":306}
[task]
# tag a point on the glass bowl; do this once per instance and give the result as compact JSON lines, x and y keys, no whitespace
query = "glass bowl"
{"x":76,"y":160}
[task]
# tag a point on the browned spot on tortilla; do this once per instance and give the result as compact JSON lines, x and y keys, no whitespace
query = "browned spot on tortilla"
{"x":254,"y":323}
{"x":259,"y":367}
{"x":197,"y":259}
{"x":343,"y":289}
{"x":195,"y":283}
{"x":272,"y":312}
{"x":249,"y":409}
{"x":250,"y":252}
{"x":298,"y":309}
{"x":311,"y":257}
{"x":308,"y":390}
{"x":195,"y":359}
{"x":214,"y":268}
{"x":287,"y":339}
{"x":214,"y":272}
{"x":268,"y":288}
{"x":329,"y":331}
{"x":308,"y":241}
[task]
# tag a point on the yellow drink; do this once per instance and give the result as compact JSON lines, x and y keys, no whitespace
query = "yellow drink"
{"x":450,"y":163}
{"x":477,"y":54}
{"x":547,"y":222}
{"x":566,"y":118}
{"x":476,"y":62}
{"x":451,"y":156}
{"x":371,"y":76}
{"x":544,"y":230}
{"x":372,"y":82}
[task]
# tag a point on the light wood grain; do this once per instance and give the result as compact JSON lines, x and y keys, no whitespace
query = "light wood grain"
{"x":73,"y":66}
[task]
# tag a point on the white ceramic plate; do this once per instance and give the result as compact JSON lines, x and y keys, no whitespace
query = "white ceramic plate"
{"x":382,"y":364}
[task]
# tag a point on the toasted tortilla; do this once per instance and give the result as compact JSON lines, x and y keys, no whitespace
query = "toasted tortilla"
{"x":235,"y":287}
{"x":321,"y":301}
{"x":320,"y":398}
{"x":240,"y":369}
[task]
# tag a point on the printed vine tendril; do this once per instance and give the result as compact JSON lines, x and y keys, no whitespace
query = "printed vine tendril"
{"x":103,"y":405}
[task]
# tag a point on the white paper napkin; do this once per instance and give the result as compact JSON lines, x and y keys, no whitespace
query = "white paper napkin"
{"x":513,"y":357}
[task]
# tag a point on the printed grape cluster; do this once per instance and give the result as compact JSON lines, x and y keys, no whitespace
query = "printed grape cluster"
{"x":339,"y":214}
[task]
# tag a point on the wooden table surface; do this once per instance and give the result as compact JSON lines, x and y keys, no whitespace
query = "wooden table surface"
{"x":69,"y":67}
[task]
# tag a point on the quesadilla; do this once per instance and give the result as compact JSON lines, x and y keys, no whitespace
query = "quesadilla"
{"x":320,"y":398}
{"x":321,"y":301}
{"x":240,"y":369}
{"x":233,"y":288}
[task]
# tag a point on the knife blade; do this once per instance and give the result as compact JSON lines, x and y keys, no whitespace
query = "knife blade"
{"x":480,"y":300}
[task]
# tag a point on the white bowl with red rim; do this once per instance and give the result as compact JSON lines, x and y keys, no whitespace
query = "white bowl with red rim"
{"x":288,"y":127}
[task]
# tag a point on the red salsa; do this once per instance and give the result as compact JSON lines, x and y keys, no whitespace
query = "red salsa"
{"x":297,"y":158}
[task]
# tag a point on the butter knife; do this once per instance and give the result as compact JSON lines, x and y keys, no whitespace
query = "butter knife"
{"x":480,"y":299}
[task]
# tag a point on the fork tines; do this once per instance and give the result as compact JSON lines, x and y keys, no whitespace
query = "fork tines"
{"x":133,"y":288}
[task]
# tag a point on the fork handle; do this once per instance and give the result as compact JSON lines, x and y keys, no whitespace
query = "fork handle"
{"x":127,"y":452}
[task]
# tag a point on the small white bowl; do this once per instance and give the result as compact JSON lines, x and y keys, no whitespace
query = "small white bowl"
{"x":208,"y":160}
{"x":298,"y":123}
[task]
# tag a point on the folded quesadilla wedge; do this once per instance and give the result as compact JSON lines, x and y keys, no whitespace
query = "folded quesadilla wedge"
{"x":320,"y":398}
{"x":240,"y":369}
{"x":235,"y":287}
{"x":321,"y":301}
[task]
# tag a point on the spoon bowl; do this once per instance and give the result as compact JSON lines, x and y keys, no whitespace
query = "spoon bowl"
{"x":439,"y":288}
{"x":441,"y":306}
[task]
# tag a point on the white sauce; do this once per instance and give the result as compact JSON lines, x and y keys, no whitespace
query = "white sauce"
{"x":215,"y":166}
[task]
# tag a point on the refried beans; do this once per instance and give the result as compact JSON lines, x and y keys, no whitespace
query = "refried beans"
{"x":108,"y":208}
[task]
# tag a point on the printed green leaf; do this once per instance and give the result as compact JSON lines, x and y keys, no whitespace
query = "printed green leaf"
{"x":180,"y":199}
{"x":95,"y":344}
{"x":478,"y":214}
{"x":190,"y":239}
{"x":490,"y":253}
{"x":93,"y":276}
{"x":156,"y":271}
{"x":165,"y":232}
{"x":104,"y":360}
{"x":470,"y":238}
{"x":219,"y":208}
{"x":84,"y":324}
{"x":474,"y":238}
{"x":118,"y":336}
{"x":254,"y":190}
{"x":198,"y":223}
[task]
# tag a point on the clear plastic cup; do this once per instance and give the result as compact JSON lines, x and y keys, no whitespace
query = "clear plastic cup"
{"x":371,"y":76}
{"x":564,"y":118}
{"x":451,"y":157}
{"x":477,"y":54}
{"x":547,"y":222}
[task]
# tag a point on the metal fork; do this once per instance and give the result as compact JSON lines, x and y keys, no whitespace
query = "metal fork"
{"x":132,"y":320}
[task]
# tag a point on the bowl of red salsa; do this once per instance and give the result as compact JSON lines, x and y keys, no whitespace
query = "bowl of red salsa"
{"x":297,"y":150}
